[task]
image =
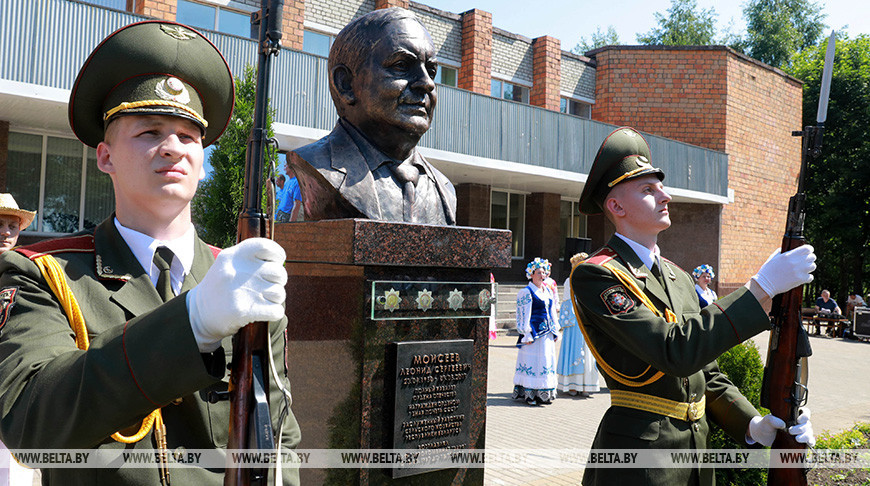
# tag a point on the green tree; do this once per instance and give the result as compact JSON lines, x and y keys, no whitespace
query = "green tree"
{"x":838,"y":182}
{"x":777,"y":29}
{"x":219,"y":198}
{"x":597,"y":39}
{"x":685,"y":25}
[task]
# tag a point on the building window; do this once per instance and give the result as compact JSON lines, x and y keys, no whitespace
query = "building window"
{"x":508,"y":211}
{"x":59,"y":178}
{"x":571,"y":222}
{"x":446,"y":75}
{"x":123,"y":5}
{"x":508,"y":91}
{"x":574,"y":107}
{"x":213,"y":18}
{"x":316,"y":43}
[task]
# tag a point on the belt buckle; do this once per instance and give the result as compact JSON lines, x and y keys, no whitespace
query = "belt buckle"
{"x":695,"y":411}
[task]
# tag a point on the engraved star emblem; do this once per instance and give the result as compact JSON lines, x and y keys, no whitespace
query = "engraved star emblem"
{"x":455,"y":299}
{"x":424,"y":300}
{"x":391,"y":300}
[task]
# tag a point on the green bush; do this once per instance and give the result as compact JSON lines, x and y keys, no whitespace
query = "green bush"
{"x":744,"y":368}
{"x":849,"y":439}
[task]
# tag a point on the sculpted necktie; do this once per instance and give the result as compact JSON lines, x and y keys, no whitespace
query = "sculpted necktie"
{"x":407,"y":174}
{"x":163,"y":261}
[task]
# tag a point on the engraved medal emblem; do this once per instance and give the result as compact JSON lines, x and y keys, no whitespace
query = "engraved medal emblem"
{"x":455,"y":299}
{"x":424,"y":300}
{"x":390,"y":300}
{"x":484,"y":300}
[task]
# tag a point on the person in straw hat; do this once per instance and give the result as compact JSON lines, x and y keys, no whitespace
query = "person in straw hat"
{"x":13,"y":220}
{"x":140,"y":365}
{"x":656,"y":347}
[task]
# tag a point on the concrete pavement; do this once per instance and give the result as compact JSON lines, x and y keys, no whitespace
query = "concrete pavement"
{"x":839,"y":396}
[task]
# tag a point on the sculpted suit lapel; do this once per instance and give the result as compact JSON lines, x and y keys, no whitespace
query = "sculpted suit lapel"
{"x":441,"y":183}
{"x":357,"y":185}
{"x":642,"y":275}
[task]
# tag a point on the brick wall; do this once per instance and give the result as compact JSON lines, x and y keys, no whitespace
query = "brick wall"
{"x":546,"y":62}
{"x":391,"y":3}
{"x":158,"y":9}
{"x":445,"y":29}
{"x":473,"y":205}
{"x":694,"y":237}
{"x":511,"y":55}
{"x":336,"y":14}
{"x":764,"y":106}
{"x":542,"y":226}
{"x":476,"y":70}
{"x":292,"y":20}
{"x":578,"y":75}
{"x":716,"y":98}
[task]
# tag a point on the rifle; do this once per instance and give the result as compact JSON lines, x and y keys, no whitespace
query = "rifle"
{"x":783,"y":389}
{"x":250,"y":420}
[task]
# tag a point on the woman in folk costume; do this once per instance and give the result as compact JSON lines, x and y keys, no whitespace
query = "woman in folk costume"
{"x":577,"y":371}
{"x":538,"y":325}
{"x":703,"y":275}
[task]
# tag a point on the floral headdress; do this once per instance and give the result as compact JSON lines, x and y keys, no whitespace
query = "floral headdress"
{"x":702,"y":269}
{"x":535,"y":264}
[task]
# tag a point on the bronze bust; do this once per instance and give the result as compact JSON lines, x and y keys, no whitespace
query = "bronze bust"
{"x":381,"y":69}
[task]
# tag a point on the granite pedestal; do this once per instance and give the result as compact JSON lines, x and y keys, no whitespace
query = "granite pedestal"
{"x":361,"y":296}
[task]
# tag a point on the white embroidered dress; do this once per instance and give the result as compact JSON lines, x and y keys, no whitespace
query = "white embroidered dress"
{"x":535,"y":375}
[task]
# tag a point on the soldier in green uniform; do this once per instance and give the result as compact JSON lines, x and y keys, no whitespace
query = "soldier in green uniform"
{"x":116,"y":338}
{"x":656,"y":348}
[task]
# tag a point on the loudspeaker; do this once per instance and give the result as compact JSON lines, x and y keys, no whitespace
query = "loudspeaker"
{"x":861,"y":322}
{"x":574,"y":246}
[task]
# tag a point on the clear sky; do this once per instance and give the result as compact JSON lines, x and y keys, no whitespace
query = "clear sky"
{"x":569,"y":20}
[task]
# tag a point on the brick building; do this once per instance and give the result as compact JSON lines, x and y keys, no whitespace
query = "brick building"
{"x":517,"y":124}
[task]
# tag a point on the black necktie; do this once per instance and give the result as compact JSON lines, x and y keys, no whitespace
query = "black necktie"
{"x":163,"y":261}
{"x":657,"y":273}
{"x":407,"y":174}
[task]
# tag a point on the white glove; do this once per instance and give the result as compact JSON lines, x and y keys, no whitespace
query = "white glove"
{"x":785,"y":271}
{"x":245,"y":284}
{"x":763,"y":429}
{"x":803,"y":429}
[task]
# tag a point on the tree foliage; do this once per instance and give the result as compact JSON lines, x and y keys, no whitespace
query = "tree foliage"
{"x":220,"y":196}
{"x":685,"y":25}
{"x":597,"y":39}
{"x":838,"y":182}
{"x":778,"y":29}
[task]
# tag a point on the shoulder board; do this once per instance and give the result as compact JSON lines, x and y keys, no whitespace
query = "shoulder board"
{"x":601,"y":256}
{"x":214,"y":250}
{"x":672,"y":263}
{"x":71,"y":244}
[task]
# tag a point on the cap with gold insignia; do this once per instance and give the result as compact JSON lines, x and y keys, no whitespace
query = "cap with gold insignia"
{"x":623,"y":155}
{"x":152,"y":68}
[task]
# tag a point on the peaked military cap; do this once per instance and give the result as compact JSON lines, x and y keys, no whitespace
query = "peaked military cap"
{"x":623,"y":155}
{"x":152,"y":68}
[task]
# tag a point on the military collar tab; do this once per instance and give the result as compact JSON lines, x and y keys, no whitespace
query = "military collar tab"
{"x":107,"y":272}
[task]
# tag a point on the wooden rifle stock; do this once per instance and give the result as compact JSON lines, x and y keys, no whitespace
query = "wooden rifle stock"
{"x":250,"y":419}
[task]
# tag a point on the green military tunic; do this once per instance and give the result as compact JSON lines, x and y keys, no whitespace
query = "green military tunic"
{"x":630,"y":338}
{"x":142,"y":355}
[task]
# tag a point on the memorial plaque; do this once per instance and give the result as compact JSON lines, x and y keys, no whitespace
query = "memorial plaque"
{"x":431,"y":396}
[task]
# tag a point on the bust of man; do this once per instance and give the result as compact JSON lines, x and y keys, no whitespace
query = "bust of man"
{"x":381,"y":69}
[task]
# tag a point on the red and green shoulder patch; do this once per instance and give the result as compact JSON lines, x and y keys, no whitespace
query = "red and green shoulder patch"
{"x":76,"y":244}
{"x":601,"y":256}
{"x":617,"y":300}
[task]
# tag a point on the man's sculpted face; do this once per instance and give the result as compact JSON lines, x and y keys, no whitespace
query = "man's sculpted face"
{"x":394,"y":88}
